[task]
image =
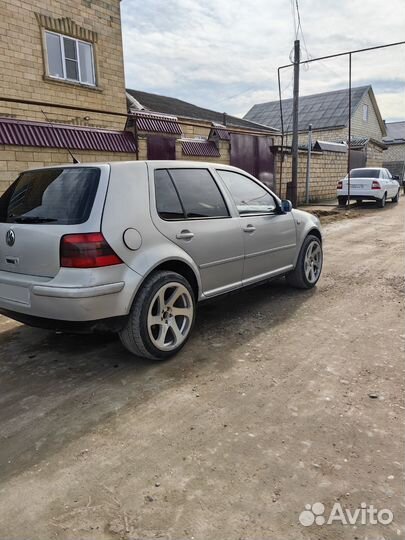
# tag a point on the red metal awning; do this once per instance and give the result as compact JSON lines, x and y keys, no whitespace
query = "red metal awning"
{"x":200,"y":149}
{"x":46,"y":135}
{"x":157,"y":123}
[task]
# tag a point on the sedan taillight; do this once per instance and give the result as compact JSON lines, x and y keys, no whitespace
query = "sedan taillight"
{"x":89,"y":250}
{"x":375,"y":185}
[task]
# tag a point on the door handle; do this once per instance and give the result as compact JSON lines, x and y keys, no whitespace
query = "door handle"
{"x":185,"y":235}
{"x":249,"y":228}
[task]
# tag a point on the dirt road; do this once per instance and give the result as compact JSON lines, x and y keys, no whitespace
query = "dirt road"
{"x":282,"y":398}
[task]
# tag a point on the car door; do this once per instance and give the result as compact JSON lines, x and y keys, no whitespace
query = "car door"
{"x":270,"y":239}
{"x":191,"y":211}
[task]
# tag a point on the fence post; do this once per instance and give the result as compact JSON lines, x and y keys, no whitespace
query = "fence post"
{"x":308,"y":178}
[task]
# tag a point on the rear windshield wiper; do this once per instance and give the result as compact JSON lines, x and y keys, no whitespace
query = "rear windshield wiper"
{"x":33,"y":219}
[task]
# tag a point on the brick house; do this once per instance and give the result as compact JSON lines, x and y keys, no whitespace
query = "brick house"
{"x":69,"y":72}
{"x":70,"y":54}
{"x":328,"y":113}
{"x":394,"y":155}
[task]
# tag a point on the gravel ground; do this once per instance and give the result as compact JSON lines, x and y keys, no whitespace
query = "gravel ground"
{"x":282,"y":398}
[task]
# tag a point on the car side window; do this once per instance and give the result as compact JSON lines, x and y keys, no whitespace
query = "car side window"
{"x":249,"y":197}
{"x":199,"y":194}
{"x":168,"y":204}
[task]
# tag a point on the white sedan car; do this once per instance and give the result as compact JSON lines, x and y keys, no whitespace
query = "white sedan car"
{"x":371,"y":183}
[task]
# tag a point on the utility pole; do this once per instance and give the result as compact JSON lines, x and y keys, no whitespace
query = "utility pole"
{"x":294,"y":171}
{"x":349,"y":152}
{"x":308,"y":164}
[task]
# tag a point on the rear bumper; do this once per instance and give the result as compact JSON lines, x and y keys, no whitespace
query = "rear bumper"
{"x":361,"y":197}
{"x":375,"y":195}
{"x":78,"y":292}
{"x":73,"y":296}
{"x":111,"y":324}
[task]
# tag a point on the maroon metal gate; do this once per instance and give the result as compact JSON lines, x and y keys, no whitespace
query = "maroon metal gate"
{"x":161,"y":147}
{"x":358,"y":158}
{"x":253,"y":154}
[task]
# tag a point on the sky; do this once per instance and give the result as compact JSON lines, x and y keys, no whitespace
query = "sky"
{"x":224,"y":54}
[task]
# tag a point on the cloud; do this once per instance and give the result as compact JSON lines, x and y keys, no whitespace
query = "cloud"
{"x":224,"y":55}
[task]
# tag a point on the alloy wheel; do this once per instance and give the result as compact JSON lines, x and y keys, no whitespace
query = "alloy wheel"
{"x":170,"y":316}
{"x":313,"y":261}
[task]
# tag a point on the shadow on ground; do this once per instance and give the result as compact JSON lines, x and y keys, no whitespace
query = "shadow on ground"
{"x":55,"y":388}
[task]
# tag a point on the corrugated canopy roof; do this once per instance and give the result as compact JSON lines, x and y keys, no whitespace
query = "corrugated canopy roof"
{"x":330,"y":146}
{"x":183,"y":109}
{"x":326,"y":110}
{"x":220,"y":131}
{"x":156,"y":123}
{"x":199,"y":148}
{"x":45,"y":135}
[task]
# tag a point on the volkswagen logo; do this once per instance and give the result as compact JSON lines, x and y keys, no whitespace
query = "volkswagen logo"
{"x":10,"y":237}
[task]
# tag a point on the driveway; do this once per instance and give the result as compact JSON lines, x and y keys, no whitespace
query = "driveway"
{"x":282,"y":398}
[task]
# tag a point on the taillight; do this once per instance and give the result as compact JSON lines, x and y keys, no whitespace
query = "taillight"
{"x":375,"y":185}
{"x":89,"y":250}
{"x":339,"y":185}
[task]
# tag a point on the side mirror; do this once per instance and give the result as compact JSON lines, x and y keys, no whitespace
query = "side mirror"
{"x":286,"y":206}
{"x":395,"y":177}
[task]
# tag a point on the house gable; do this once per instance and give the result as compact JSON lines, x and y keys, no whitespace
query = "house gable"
{"x":368,"y":124}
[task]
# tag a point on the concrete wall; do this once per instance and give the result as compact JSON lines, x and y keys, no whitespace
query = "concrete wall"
{"x":326,"y":169}
{"x":23,"y":66}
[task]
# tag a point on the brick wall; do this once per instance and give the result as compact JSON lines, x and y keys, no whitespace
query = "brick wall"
{"x":374,"y":155}
{"x":395,"y":152}
{"x":22,"y":64}
{"x":322,"y":135}
{"x":14,"y":159}
{"x":326,"y":169}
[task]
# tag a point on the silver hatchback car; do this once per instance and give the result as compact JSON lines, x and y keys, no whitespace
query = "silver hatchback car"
{"x":133,"y":246}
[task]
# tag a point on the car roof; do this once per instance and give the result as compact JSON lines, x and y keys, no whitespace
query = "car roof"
{"x":154,"y":164}
{"x":136,"y":163}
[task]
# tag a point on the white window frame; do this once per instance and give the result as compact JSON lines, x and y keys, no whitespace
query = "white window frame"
{"x":62,"y":50}
{"x":365,"y":112}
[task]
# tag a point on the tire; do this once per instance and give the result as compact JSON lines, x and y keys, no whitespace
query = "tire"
{"x":300,"y":277}
{"x":396,"y":198}
{"x":381,"y":202}
{"x":342,"y":201}
{"x":159,"y":340}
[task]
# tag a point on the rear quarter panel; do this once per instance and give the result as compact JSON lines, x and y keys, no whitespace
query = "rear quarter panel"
{"x":127,"y":206}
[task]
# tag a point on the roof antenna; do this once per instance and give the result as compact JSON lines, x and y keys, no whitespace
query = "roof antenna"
{"x":74,"y":159}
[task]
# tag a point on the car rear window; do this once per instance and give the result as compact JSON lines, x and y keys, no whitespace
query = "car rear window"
{"x":61,"y":196}
{"x":365,"y":173}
